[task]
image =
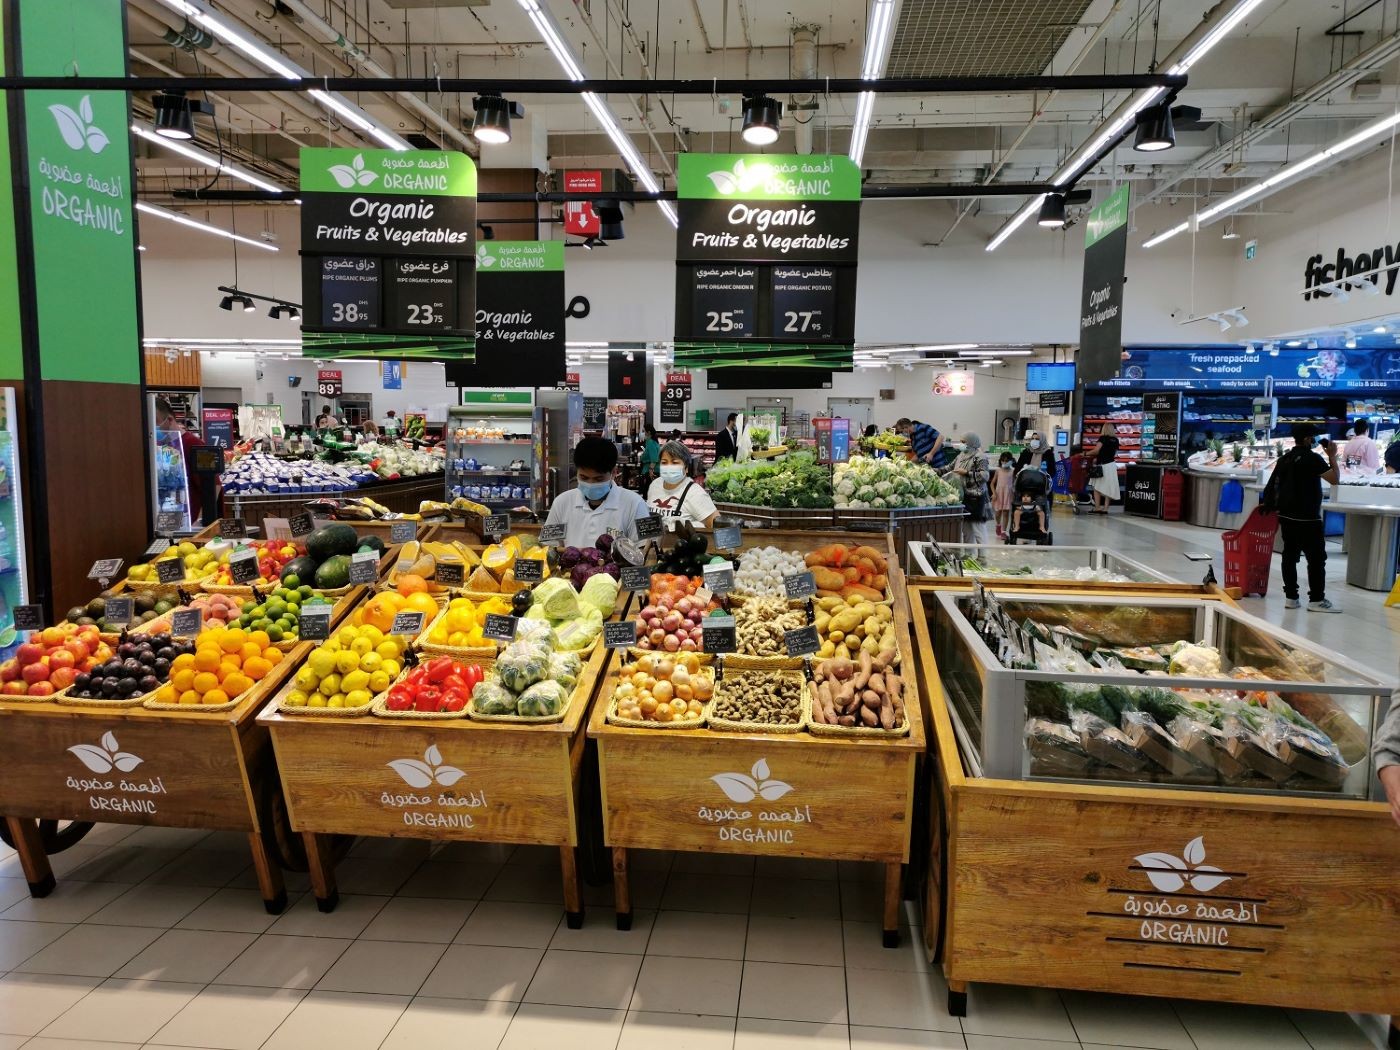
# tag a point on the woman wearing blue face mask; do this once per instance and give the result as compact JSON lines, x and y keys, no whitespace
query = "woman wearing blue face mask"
{"x":597,"y":504}
{"x":674,"y":495}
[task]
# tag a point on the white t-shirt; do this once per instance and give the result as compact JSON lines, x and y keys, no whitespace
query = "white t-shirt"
{"x":619,"y":510}
{"x":696,"y":509}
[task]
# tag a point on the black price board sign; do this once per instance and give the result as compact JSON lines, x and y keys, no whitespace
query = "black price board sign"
{"x":450,"y":573}
{"x":649,"y":528}
{"x":186,"y":623}
{"x":409,"y":623}
{"x":104,"y":569}
{"x":636,"y":577}
{"x":364,"y":567}
{"x":553,"y":535}
{"x":170,"y":570}
{"x":158,"y":546}
{"x":528,"y":570}
{"x":728,"y":537}
{"x":724,"y":303}
{"x":402,"y":531}
{"x":350,"y":292}
{"x":424,"y":295}
{"x":801,"y":641}
{"x":29,"y":617}
{"x":719,"y":577}
{"x":501,"y":628}
{"x":170,"y":521}
{"x":496,"y":524}
{"x":800,"y":585}
{"x":629,"y":551}
{"x":672,"y":411}
{"x":595,"y":413}
{"x":232,"y":529}
{"x":804,"y":303}
{"x":620,"y":635}
{"x":718,"y":634}
{"x":1055,"y":402}
{"x":208,"y":461}
{"x":118,"y":611}
{"x":314,"y":623}
{"x":301,"y":524}
{"x":243,"y":565}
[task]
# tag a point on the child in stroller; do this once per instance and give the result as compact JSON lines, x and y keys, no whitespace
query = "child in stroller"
{"x":1031,"y":517}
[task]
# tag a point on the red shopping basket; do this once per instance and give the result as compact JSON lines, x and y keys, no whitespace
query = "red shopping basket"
{"x":1249,"y":552}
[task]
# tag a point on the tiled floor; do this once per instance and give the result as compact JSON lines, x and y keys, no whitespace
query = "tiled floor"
{"x":156,"y":937}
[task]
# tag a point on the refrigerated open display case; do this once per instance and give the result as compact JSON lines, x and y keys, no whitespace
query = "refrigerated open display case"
{"x":1016,"y":564}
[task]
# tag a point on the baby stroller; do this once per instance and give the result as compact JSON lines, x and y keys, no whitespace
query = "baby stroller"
{"x":1037,"y":484}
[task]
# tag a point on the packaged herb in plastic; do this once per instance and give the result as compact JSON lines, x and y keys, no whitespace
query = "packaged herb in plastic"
{"x":1108,"y":744}
{"x":1206,"y":744}
{"x":1179,"y":766}
{"x":1055,"y":750}
{"x":1244,"y":740}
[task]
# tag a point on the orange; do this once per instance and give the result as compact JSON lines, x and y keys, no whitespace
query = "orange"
{"x":207,"y":659}
{"x":182,"y":661}
{"x":189,"y":696}
{"x":259,"y":638}
{"x":216,"y":696}
{"x":205,"y":681}
{"x":236,"y":683}
{"x":227,"y":668}
{"x":257,"y":669}
{"x":251,"y":649}
{"x":167,"y":694}
{"x":412,"y":583}
{"x":183,"y":679}
{"x":422,"y":603}
{"x":272,"y":656}
{"x":233,"y":640}
{"x":379,"y":611}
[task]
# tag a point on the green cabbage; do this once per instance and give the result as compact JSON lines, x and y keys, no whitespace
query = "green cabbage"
{"x":543,"y":698}
{"x":492,"y":698}
{"x":579,"y":633}
{"x":557,"y":598}
{"x":600,"y":592}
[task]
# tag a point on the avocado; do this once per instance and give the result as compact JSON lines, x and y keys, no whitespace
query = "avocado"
{"x":96,"y":608}
{"x":76,"y":613}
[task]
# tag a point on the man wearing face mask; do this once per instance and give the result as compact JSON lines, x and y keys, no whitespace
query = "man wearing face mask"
{"x":597,"y":504}
{"x":1294,"y":490}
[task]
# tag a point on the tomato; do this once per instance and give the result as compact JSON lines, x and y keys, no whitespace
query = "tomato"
{"x":400,"y":698}
{"x":454,"y":700}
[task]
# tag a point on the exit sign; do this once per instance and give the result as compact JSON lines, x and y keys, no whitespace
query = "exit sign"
{"x":1251,"y":248}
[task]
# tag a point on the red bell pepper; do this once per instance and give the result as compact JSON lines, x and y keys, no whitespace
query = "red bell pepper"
{"x":439,"y":669}
{"x":400,"y":698}
{"x":427,"y":698}
{"x":454,"y":700}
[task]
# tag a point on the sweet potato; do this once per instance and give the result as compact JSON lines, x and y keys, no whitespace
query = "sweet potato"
{"x":833,"y":556}
{"x":871,"y":700}
{"x":876,"y":558}
{"x":859,"y":592}
{"x":828,"y":579}
{"x":879,"y":582}
{"x":869,"y":717}
{"x":863,"y":675}
{"x":887,"y":714}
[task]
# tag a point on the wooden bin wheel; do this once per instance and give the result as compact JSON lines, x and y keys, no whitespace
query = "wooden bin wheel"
{"x":56,"y":835}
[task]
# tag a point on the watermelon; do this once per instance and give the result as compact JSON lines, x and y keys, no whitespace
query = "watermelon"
{"x":372,"y":543}
{"x":330,"y":540}
{"x":303,"y":568}
{"x":333,"y":572}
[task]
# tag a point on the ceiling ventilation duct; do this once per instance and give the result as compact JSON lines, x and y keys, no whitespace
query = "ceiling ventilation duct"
{"x":802,"y":109}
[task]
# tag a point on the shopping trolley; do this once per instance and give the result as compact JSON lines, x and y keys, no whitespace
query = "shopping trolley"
{"x":1071,"y":481}
{"x":1249,"y":552}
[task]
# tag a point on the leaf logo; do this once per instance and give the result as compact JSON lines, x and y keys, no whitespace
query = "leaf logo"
{"x":745,"y":787}
{"x":105,"y":756}
{"x":348,"y":176}
{"x":423,"y":774}
{"x":1169,"y":873}
{"x":77,"y":128}
{"x":484,"y":258}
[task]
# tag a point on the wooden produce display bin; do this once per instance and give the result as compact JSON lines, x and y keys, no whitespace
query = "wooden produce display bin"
{"x":132,"y":765}
{"x":1287,"y":901}
{"x":494,"y":782}
{"x":850,"y":798}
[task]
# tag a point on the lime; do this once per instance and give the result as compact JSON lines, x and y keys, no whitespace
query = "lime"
{"x":292,"y":581}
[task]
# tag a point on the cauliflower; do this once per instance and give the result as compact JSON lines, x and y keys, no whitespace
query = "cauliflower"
{"x":883,"y":488}
{"x":845,"y":487}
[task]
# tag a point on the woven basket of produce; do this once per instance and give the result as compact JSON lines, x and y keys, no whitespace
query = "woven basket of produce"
{"x":761,"y":625}
{"x":662,"y":691}
{"x":152,"y":704}
{"x":436,"y":689}
{"x":65,"y":697}
{"x":860,"y":696}
{"x":760,"y":702}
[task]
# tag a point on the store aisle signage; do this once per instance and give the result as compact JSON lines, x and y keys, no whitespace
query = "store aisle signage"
{"x":1056,"y":402}
{"x":217,"y":424}
{"x":1101,"y":303}
{"x":1317,"y":273}
{"x":1142,"y":491}
{"x":388,"y":253}
{"x":766,"y":254}
{"x":1161,"y":426}
{"x":328,"y":382}
{"x":391,"y":375}
{"x":519,"y":316}
{"x":833,"y":440}
{"x":1235,"y":368}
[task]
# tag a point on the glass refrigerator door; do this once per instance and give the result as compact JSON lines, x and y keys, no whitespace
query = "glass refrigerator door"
{"x":168,"y":467}
{"x":13,"y":570}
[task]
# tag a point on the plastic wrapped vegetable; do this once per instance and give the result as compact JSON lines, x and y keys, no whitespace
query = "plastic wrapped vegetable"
{"x":522,"y":664}
{"x":600,"y":591}
{"x":564,"y":668}
{"x":557,"y":599}
{"x":579,"y":634}
{"x":492,"y":698}
{"x":1195,"y":661}
{"x":534,"y":628}
{"x":542,"y":698}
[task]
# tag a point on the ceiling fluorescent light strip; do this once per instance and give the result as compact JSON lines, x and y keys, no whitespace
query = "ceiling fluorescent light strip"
{"x":195,"y":224}
{"x":1214,"y":36}
{"x":877,"y":41}
{"x":204,"y":159}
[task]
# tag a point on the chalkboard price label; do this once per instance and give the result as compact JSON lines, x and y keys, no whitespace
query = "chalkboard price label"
{"x":364,"y":567}
{"x":528,"y":570}
{"x":105,"y":569}
{"x":501,"y":628}
{"x":169,"y":522}
{"x":314,"y":623}
{"x":800,"y":585}
{"x":157,"y":547}
{"x":29,"y":617}
{"x":496,"y":524}
{"x":450,"y":573}
{"x":170,"y":570}
{"x":718,"y":635}
{"x":553,"y":535}
{"x":243,"y":565}
{"x":620,"y":635}
{"x":649,"y":528}
{"x":719,"y":577}
{"x":728,"y":537}
{"x":409,"y":623}
{"x":402,"y":531}
{"x":118,"y":611}
{"x":300,"y":524}
{"x":637,"y":577}
{"x":232,"y":529}
{"x":186,"y":623}
{"x":801,"y":641}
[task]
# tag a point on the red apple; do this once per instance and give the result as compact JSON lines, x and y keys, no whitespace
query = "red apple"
{"x":35,"y":673}
{"x":9,"y":670}
{"x":29,"y":653}
{"x":41,"y":689}
{"x":63,"y":677}
{"x":14,"y":687}
{"x":78,"y":648}
{"x":62,"y":658}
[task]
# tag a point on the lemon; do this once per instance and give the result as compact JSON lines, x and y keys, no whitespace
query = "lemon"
{"x":347,"y":635}
{"x":330,"y":684}
{"x":358,"y":698}
{"x":371,"y":662}
{"x":361,"y":646}
{"x":379,"y":681}
{"x":296,"y":698}
{"x":315,"y":700}
{"x":346,"y":660}
{"x":306,"y":679}
{"x":331,"y":645}
{"x":336,"y":700}
{"x":391,"y":668}
{"x":322,"y":662}
{"x":354,"y":680}
{"x":373,"y":633}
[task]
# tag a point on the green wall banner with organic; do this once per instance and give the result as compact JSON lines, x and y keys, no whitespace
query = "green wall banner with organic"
{"x":11,"y":351}
{"x":519,"y":316}
{"x":80,"y":193}
{"x":766,"y":250}
{"x":388,"y":258}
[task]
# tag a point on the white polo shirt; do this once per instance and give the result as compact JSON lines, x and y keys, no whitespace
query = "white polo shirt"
{"x":619,"y":510}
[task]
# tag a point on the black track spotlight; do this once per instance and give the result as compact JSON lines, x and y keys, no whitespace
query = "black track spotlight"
{"x":248,"y":306}
{"x":293,"y":314}
{"x":226,"y":303}
{"x":609,"y":220}
{"x":175,"y":114}
{"x":275,"y":312}
{"x":762,"y":116}
{"x":1154,"y":130}
{"x":1052,"y":211}
{"x":492,"y":122}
